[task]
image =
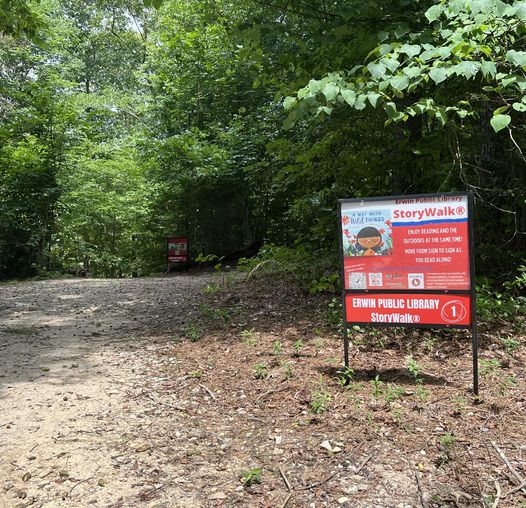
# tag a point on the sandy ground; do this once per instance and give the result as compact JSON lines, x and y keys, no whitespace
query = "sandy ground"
{"x":72,"y":355}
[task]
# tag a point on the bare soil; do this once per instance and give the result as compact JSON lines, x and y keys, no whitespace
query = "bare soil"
{"x":192,"y":391}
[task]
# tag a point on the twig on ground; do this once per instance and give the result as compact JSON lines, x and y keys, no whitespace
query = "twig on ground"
{"x":78,"y":483}
{"x":269,"y":392}
{"x":207,"y":390}
{"x":522,"y":486}
{"x":172,"y":406}
{"x":285,"y":479}
{"x":364,"y":463}
{"x":497,"y":495}
{"x":420,"y":491}
{"x":289,"y":497}
{"x":514,"y":472}
{"x":317,"y":484}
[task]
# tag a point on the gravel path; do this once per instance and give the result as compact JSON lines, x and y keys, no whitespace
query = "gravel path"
{"x":73,"y":355}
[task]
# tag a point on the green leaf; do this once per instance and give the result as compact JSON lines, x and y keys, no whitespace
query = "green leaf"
{"x":314,"y":86}
{"x":401,"y":29}
{"x":390,"y":63}
{"x":467,"y":69}
{"x":443,"y":52}
{"x":508,"y":80}
{"x":438,"y":74}
{"x":412,"y":72}
{"x":400,"y":82}
{"x":377,"y":70}
{"x":410,"y":50}
{"x":499,"y":122}
{"x":521,"y":83}
{"x":520,"y":9}
{"x":501,"y":110}
{"x":330,"y":91}
{"x":434,"y":12}
{"x":289,"y":102}
{"x":390,"y":109}
{"x":360,"y":103}
{"x":488,"y":68}
{"x":384,"y":49}
{"x":442,"y":116}
{"x":349,"y":96}
{"x":516,"y":57}
{"x":324,"y":109}
{"x":519,"y":106}
{"x":373,"y":98}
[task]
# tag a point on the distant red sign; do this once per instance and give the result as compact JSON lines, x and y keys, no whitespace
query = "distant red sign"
{"x":177,"y":249}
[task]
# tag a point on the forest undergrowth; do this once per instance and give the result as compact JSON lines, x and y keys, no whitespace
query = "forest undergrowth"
{"x":399,"y":427}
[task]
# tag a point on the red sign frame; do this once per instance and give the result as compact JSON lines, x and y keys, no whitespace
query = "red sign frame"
{"x":408,"y":261}
{"x":177,"y":250}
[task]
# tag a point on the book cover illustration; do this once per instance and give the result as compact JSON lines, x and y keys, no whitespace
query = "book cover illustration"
{"x":367,"y":233}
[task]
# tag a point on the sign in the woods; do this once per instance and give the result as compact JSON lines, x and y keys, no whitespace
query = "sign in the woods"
{"x":177,"y":250}
{"x":408,"y":261}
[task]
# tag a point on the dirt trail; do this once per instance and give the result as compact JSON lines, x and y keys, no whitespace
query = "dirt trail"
{"x":73,"y":354}
{"x":104,"y":403}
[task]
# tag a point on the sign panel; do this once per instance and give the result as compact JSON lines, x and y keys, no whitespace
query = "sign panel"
{"x":408,"y":261}
{"x":177,"y":249}
{"x":406,"y":243}
{"x":409,"y":310}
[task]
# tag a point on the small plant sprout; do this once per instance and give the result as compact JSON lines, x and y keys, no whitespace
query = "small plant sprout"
{"x":397,"y":415}
{"x":345,"y":376}
{"x":251,"y":477}
{"x":248,"y":335}
{"x":421,"y":392}
{"x":277,"y":347}
{"x":489,"y":367}
{"x":319,"y":398}
{"x":318,"y":344}
{"x":507,"y":383}
{"x":393,"y":393}
{"x":196,"y":373}
{"x":288,"y":370}
{"x":260,"y":370}
{"x":429,"y":342}
{"x":377,"y":386}
{"x":446,"y":444}
{"x":459,"y":403}
{"x":193,"y":333}
{"x":298,"y":346}
{"x":413,"y":367}
{"x":510,"y":344}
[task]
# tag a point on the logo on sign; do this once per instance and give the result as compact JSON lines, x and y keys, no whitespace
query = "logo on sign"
{"x":453,"y":311}
{"x":375,"y":280}
{"x":415,"y":280}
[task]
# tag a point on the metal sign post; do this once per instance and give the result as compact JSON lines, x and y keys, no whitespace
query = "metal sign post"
{"x":408,"y":261}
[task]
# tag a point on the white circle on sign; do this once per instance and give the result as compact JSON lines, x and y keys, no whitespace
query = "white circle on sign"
{"x":453,"y":311}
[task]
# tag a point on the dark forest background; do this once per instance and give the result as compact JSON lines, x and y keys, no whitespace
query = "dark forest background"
{"x":241,"y":123}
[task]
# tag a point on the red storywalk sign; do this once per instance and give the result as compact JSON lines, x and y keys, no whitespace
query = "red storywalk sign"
{"x":177,"y":249}
{"x":408,"y":261}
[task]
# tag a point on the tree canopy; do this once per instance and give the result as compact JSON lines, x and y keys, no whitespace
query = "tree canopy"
{"x":242,"y":122}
